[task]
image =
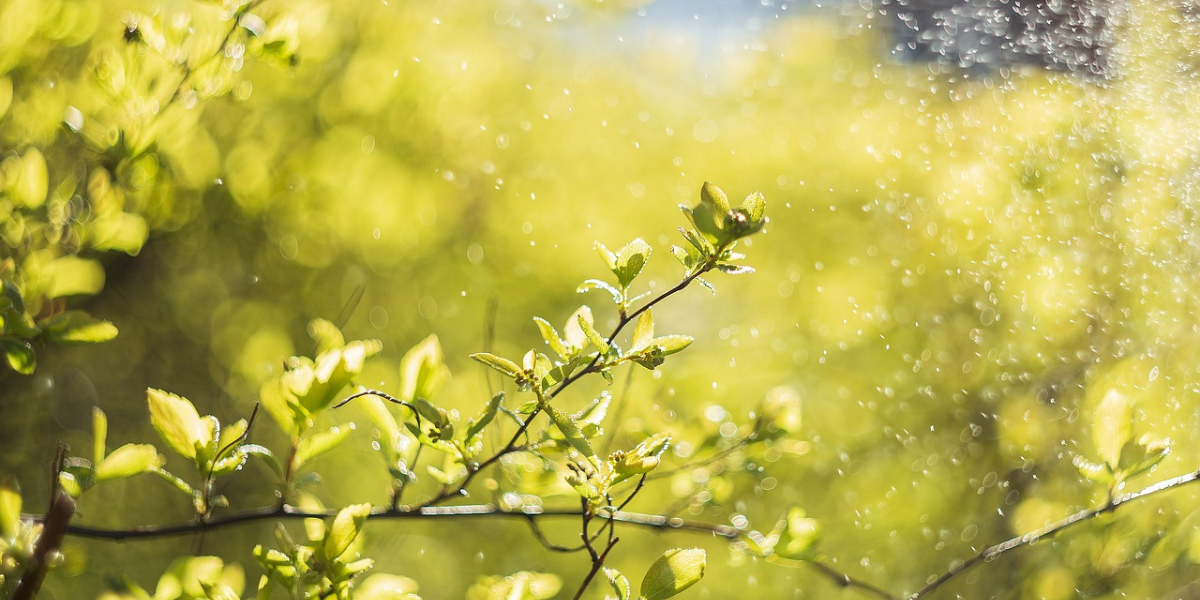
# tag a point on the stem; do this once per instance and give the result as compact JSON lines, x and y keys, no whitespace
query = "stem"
{"x":55,"y":526}
{"x":511,"y":446}
{"x":1032,"y":537}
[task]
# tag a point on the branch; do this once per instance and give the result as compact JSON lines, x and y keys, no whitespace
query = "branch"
{"x":1034,"y":536}
{"x":467,"y":511}
{"x":512,"y":446}
{"x":56,"y":523}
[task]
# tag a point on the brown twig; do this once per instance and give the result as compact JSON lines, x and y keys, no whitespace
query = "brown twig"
{"x":54,"y":528}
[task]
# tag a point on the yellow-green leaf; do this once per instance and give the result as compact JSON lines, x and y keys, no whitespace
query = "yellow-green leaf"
{"x":676,"y":570}
{"x":78,"y":327}
{"x":346,"y":526}
{"x":177,"y":422}
{"x":10,"y":510}
{"x":128,"y":460}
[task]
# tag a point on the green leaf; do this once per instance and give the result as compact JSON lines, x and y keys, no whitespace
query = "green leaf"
{"x":1112,"y":427}
{"x":730,"y":269}
{"x":319,"y":443}
{"x":19,"y":354}
{"x":32,"y":180}
{"x":755,"y":206}
{"x":551,"y":336}
{"x":596,"y":284}
{"x":128,"y":460}
{"x":423,"y":370}
{"x":506,"y":367}
{"x":10,"y":510}
{"x":346,"y":526}
{"x":798,"y":536}
{"x":326,"y":335}
{"x":619,"y":583}
{"x":630,"y":261}
{"x":476,"y":425}
{"x":99,"y":434}
{"x":570,"y":430}
{"x":78,"y":327}
{"x":644,"y":332}
{"x":177,"y":422}
{"x":670,"y":344}
{"x":610,"y":259}
{"x":382,"y":586}
{"x":73,"y":276}
{"x":593,"y":336}
{"x":676,"y":570}
{"x":575,"y":337}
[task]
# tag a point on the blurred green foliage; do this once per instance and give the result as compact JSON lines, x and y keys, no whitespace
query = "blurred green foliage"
{"x":969,"y":286}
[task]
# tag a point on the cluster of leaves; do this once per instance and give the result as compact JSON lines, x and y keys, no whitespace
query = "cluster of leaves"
{"x":328,"y":561}
{"x":1122,"y":456}
{"x":100,"y":175}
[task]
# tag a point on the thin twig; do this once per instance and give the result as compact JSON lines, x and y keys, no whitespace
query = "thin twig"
{"x":467,"y":511}
{"x":1052,"y":529}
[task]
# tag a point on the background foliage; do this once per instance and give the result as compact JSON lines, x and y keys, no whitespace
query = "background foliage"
{"x":958,"y":271}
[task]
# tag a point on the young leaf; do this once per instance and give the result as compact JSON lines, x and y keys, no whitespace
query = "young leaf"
{"x":506,"y":367}
{"x":644,"y":332}
{"x":78,"y":327}
{"x":630,"y":261}
{"x":476,"y":425}
{"x":674,"y":571}
{"x":381,"y":586}
{"x":551,"y":336}
{"x":798,"y":536}
{"x":19,"y":354}
{"x":670,"y":344}
{"x":571,"y":432}
{"x":320,"y":443}
{"x":326,"y":335}
{"x":128,"y":460}
{"x":593,"y":336}
{"x":619,"y":583}
{"x":177,"y":422}
{"x":422,"y":370}
{"x":576,"y":338}
{"x":10,"y":510}
{"x":1112,"y":427}
{"x":610,"y":259}
{"x":346,"y":526}
{"x":99,"y":435}
{"x":596,"y":284}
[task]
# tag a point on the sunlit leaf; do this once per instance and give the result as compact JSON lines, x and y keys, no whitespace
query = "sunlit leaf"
{"x":19,"y":354}
{"x":99,"y":434}
{"x":571,"y":432}
{"x":551,"y":336}
{"x":10,"y":510}
{"x":480,"y":421}
{"x":345,"y":527}
{"x":506,"y":367}
{"x":1112,"y":426}
{"x":798,"y":536}
{"x":644,"y":332}
{"x":382,"y":586}
{"x":630,"y":261}
{"x":78,"y":327}
{"x":319,"y":443}
{"x":595,"y":284}
{"x":128,"y":460}
{"x":177,"y":422}
{"x":674,"y":571}
{"x":619,"y":583}
{"x":422,"y":370}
